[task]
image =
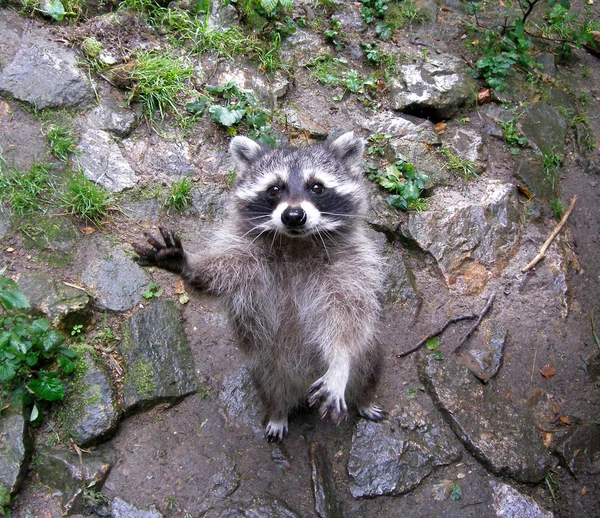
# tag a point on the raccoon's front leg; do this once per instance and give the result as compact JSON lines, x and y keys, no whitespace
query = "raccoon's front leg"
{"x":329,"y":390}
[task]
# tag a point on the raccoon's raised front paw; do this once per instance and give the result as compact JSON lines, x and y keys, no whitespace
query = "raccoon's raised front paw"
{"x":331,"y":399}
{"x":276,"y":430}
{"x":373,"y":413}
{"x":169,"y":256}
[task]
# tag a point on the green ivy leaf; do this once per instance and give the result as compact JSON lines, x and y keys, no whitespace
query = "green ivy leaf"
{"x":395,"y":200}
{"x":433,"y":344}
{"x":7,"y":372}
{"x":56,"y":10}
{"x":15,"y":299}
{"x":66,"y":365}
{"x":47,"y":386}
{"x":226,"y":116}
{"x":39,"y":327}
{"x":51,"y":340}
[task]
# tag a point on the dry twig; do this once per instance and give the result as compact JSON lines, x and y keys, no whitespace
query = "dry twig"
{"x":487,"y":307}
{"x":542,"y":252}
{"x":437,"y":333}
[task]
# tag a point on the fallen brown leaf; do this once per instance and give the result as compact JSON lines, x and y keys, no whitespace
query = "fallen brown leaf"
{"x":484,"y":96}
{"x":525,"y":191}
{"x":548,"y":438}
{"x":547,"y":371}
{"x":440,"y":127}
{"x":564,"y":419}
{"x":87,"y":230}
{"x":179,"y":286}
{"x":4,"y":110}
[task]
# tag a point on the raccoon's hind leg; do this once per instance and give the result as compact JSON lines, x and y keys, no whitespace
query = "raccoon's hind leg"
{"x":279,"y":396}
{"x":276,"y":429}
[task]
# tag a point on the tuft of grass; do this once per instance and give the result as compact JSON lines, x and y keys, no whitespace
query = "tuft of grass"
{"x":86,"y":200}
{"x":26,"y":192}
{"x":179,"y":197}
{"x":558,"y":209}
{"x":62,"y":142}
{"x":551,"y":163}
{"x":466,"y":168}
{"x":159,"y":79}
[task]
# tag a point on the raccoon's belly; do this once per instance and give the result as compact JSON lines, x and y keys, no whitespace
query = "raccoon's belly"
{"x":273,"y":337}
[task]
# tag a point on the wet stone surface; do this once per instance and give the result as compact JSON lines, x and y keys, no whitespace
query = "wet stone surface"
{"x":156,"y":355}
{"x":501,"y":436}
{"x":394,"y":456}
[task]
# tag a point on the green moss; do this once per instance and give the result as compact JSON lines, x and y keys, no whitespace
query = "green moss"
{"x":142,"y":377}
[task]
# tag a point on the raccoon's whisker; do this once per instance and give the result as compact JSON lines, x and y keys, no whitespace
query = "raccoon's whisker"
{"x":318,"y":233}
{"x":260,"y":234}
{"x":357,"y":216}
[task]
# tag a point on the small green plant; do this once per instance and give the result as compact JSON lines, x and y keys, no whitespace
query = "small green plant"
{"x":404,"y":183}
{"x":372,"y":53}
{"x":85,"y":199}
{"x":456,"y":493}
{"x":335,"y":34}
{"x":77,"y":332}
{"x":153,"y":292}
{"x":240,"y":107}
{"x":454,"y":162}
{"x":32,"y":357}
{"x":336,"y":72}
{"x":507,"y":39}
{"x":373,"y":9}
{"x":513,"y":136}
{"x":62,"y":142}
{"x":376,"y":144}
{"x":180,"y":196}
{"x":159,"y":80}
{"x":106,"y":336}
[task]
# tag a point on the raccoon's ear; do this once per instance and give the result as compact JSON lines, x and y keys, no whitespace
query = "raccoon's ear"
{"x":349,"y":150}
{"x":244,"y":151}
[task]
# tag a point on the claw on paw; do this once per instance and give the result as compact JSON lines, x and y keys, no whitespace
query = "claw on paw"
{"x":276,"y":430}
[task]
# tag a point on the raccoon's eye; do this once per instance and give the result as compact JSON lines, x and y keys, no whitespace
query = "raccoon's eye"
{"x":317,"y":188}
{"x":274,"y":190}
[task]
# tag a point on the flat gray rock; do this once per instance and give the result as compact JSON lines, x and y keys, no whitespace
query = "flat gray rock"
{"x":46,"y":76}
{"x":393,"y":457}
{"x":116,"y":280}
{"x":157,"y":357}
{"x":502,"y":437}
{"x":16,"y":447}
{"x":509,"y":503}
{"x":102,"y":162}
{"x":89,"y":413}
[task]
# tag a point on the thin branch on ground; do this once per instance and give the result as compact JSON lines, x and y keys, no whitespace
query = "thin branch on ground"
{"x":476,"y":324}
{"x":437,"y":333}
{"x":541,"y":254}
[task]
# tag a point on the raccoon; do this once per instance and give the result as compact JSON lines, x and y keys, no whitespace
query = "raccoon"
{"x":300,"y":279}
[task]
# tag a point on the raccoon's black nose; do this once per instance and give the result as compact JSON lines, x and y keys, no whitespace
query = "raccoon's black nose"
{"x":293,"y":217}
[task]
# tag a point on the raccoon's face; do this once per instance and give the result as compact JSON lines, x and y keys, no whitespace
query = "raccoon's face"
{"x":300,"y":192}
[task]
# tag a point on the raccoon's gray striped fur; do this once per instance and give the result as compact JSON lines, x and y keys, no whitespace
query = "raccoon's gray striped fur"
{"x":300,"y":279}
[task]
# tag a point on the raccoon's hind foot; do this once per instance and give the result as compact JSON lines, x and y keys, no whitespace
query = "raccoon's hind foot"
{"x":169,"y":256}
{"x":276,"y":429}
{"x":373,"y":413}
{"x":331,"y":399}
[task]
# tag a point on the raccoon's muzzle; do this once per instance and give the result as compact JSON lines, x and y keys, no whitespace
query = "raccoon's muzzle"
{"x":293,"y":217}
